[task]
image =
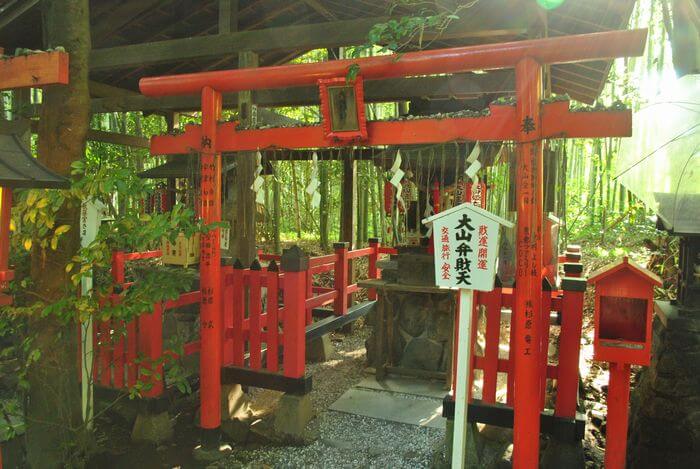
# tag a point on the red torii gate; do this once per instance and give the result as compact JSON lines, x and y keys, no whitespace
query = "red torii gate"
{"x":528,"y":123}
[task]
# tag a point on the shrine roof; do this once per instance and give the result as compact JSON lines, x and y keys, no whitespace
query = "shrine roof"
{"x":630,"y":266}
{"x":18,"y":168}
{"x":119,"y":23}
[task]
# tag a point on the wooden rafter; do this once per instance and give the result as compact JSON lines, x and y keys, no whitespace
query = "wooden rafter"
{"x":301,"y":37}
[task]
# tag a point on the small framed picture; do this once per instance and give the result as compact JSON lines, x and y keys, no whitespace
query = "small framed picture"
{"x":343,"y":109}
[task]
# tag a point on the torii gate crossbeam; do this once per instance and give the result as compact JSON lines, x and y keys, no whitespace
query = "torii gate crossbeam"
{"x":527,"y":124}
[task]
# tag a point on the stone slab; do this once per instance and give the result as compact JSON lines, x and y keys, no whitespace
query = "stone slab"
{"x":416,"y":387}
{"x":394,"y":407}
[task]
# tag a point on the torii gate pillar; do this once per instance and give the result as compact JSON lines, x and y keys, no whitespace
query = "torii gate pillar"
{"x":528,"y":276}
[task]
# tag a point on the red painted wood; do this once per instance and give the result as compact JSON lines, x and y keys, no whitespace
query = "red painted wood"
{"x":34,"y":70}
{"x":238,"y":316}
{"x":210,"y":262}
{"x":544,"y":343}
{"x":617,"y":418}
{"x":254,"y":311}
{"x":294,"y":324}
{"x":156,"y":351}
{"x":105,"y":355}
{"x":492,"y":302}
{"x":119,"y":354}
{"x":227,"y":322}
{"x":500,"y":125}
{"x":309,"y":294}
{"x":510,"y":379}
{"x":472,"y":348}
{"x":272,"y":336}
{"x":569,"y":350}
{"x":528,"y":275}
{"x":596,"y":46}
{"x":131,"y":354}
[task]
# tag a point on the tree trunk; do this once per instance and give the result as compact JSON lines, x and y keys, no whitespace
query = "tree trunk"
{"x":243,"y":210}
{"x":53,"y":408}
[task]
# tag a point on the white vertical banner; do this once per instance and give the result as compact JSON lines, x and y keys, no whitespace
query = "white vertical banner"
{"x":91,"y":215}
{"x":465,"y":242}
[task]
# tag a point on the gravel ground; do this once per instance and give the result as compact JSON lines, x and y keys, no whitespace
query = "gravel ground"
{"x":339,"y":440}
{"x":351,"y":441}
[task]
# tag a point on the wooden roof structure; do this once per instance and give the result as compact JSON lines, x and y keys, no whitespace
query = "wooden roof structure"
{"x":19,"y":168}
{"x":136,"y":38}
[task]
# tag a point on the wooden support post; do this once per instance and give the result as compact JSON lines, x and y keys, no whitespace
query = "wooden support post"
{"x":373,"y":271}
{"x":341,"y":278}
{"x":210,"y":266}
{"x":569,"y":346}
{"x":294,"y":264}
{"x":528,"y":275}
{"x":241,"y":207}
{"x":228,"y":16}
{"x":618,"y":403}
{"x":348,"y":214}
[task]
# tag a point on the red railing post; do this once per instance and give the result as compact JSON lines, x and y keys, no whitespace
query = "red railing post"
{"x":544,"y":336}
{"x":237,"y":299}
{"x":294,"y":264}
{"x":569,"y":346}
{"x":492,"y":302}
{"x":118,"y":277}
{"x":272,"y":339}
{"x":373,"y":271}
{"x":341,"y":278}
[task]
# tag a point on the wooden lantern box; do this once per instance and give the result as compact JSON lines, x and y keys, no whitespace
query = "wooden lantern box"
{"x":624,"y":301}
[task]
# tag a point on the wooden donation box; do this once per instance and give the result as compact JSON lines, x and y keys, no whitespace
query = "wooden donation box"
{"x":624,"y":301}
{"x":624,"y":297}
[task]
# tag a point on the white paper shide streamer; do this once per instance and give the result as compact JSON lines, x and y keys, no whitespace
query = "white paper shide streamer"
{"x":474,"y":163}
{"x":258,"y":181}
{"x":312,"y":187}
{"x":396,"y":176}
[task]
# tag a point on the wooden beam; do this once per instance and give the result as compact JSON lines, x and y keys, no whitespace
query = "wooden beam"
{"x":102,"y":90}
{"x":117,"y":139}
{"x":466,"y":85}
{"x":481,"y":22}
{"x":93,"y":135}
{"x":34,"y":70}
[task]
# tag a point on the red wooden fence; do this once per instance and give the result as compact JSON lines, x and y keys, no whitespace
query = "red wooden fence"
{"x":256,"y":302}
{"x":127,"y":353}
{"x":568,"y":304}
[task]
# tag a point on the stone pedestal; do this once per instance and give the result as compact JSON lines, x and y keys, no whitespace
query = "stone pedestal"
{"x":292,"y":415}
{"x":153,"y":427}
{"x":665,"y":404}
{"x":319,"y":350}
{"x":413,"y":323}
